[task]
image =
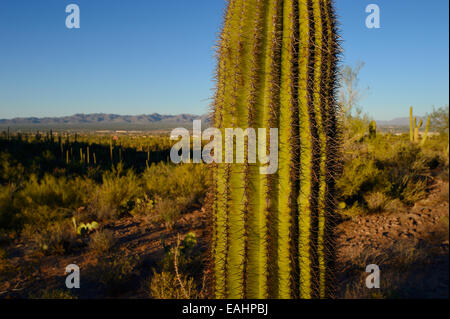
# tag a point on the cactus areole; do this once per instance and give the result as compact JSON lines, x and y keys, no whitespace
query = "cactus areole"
{"x":272,"y":234}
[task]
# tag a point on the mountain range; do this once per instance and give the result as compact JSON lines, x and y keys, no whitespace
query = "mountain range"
{"x":400,"y":121}
{"x":105,"y":121}
{"x":155,"y":121}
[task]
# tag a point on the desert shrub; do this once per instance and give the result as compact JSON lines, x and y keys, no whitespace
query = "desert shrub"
{"x":353,"y":211}
{"x":188,"y":256}
{"x":11,"y":171}
{"x":8,"y":212}
{"x":117,"y":194}
{"x":354,"y":128}
{"x":440,"y":121}
{"x":414,"y":191}
{"x":188,"y":183}
{"x":51,"y":199}
{"x":114,"y":270}
{"x":166,"y":285}
{"x":437,"y":149}
{"x":102,"y":241}
{"x":143,"y":206}
{"x":405,"y":254}
{"x":383,"y":169}
{"x":360,"y":176}
{"x":407,"y":171}
{"x":376,"y":202}
{"x":167,"y":211}
{"x":55,"y":238}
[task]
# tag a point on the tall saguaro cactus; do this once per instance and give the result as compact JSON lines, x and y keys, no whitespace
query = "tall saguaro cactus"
{"x":277,"y":69}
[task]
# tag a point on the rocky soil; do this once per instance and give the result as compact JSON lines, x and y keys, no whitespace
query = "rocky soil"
{"x":410,"y":247}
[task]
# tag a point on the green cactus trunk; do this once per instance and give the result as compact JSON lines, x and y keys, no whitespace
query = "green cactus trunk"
{"x":416,"y":129}
{"x":425,"y":135}
{"x":411,"y":124}
{"x":277,"y":67}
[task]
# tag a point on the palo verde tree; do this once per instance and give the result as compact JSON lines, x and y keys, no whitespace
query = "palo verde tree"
{"x":277,"y":68}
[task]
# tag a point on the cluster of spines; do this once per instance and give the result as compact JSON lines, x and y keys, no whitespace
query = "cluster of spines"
{"x":277,"y":69}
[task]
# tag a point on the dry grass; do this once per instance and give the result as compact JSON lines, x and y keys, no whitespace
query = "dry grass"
{"x":102,"y":241}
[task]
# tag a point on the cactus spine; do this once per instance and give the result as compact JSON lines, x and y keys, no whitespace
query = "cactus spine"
{"x":277,"y":69}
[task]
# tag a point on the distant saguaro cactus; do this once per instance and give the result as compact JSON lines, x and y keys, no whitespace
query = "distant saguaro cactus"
{"x":277,"y":68}
{"x":416,"y":129}
{"x":81,"y":156}
{"x":414,"y":134}
{"x":425,"y":135}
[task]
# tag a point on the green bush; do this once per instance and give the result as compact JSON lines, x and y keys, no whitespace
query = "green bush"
{"x":376,"y":202}
{"x":187,"y":183}
{"x":167,"y":211}
{"x":102,"y":241}
{"x":8,"y":213}
{"x":360,"y":176}
{"x":166,"y":285}
{"x":385,"y":172}
{"x":117,"y":194}
{"x":189,"y":259}
{"x":51,"y":199}
{"x":114,"y":270}
{"x":55,"y":238}
{"x":407,"y":172}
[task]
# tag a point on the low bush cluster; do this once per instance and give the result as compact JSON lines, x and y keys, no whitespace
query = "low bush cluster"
{"x":386,"y":172}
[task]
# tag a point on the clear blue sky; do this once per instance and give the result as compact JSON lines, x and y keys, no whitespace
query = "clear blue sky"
{"x":145,"y":56}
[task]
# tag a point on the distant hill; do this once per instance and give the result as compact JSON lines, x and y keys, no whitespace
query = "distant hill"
{"x":98,"y":121}
{"x":144,"y":122}
{"x":400,"y":121}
